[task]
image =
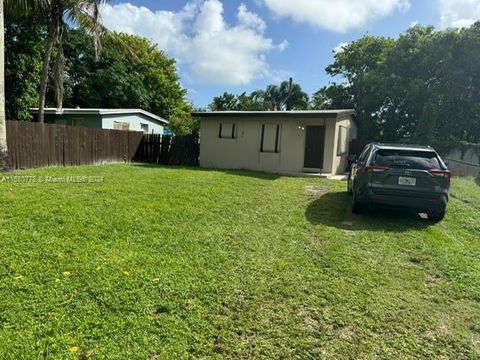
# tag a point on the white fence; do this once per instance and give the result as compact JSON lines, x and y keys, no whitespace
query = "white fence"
{"x":463,"y":162}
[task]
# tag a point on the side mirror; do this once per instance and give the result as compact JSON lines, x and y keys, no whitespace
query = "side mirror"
{"x":446,"y":163}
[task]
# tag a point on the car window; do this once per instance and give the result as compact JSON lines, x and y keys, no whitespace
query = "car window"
{"x":423,"y":160}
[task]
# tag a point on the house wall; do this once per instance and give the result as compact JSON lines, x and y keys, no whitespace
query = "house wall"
{"x":105,"y":121}
{"x":135,"y":121}
{"x":243,"y":152}
{"x":90,"y":121}
{"x":340,"y":160}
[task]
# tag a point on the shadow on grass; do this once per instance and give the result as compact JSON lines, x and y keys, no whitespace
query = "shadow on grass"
{"x":246,"y":173}
{"x":477,"y":180}
{"x":334,"y":209}
{"x":167,"y":167}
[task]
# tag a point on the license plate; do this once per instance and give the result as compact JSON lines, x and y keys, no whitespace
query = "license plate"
{"x":409,"y":181}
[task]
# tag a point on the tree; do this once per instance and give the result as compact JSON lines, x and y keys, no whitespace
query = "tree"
{"x":24,"y":41}
{"x":14,"y":7}
{"x":150,"y":83}
{"x":286,"y":96}
{"x":224,"y":102}
{"x":334,"y":96}
{"x":422,"y":87}
{"x":84,"y":14}
{"x":292,"y":97}
{"x":3,"y":123}
{"x":183,"y":123}
{"x":359,"y":64}
{"x":228,"y":101}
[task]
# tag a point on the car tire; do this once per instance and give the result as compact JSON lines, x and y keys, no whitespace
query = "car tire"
{"x":357,"y":208}
{"x":436,"y":216}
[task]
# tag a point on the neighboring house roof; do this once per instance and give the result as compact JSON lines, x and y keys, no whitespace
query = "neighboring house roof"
{"x":285,"y":114}
{"x":76,"y":111}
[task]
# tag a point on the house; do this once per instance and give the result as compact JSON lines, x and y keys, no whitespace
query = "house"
{"x":287,"y":142}
{"x":116,"y":119}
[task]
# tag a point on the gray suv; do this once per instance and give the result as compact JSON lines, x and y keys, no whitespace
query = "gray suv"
{"x":411,"y":177}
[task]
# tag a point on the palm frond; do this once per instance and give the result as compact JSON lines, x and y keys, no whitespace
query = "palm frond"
{"x":86,"y":14}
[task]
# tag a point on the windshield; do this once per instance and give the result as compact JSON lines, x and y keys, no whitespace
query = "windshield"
{"x":423,"y":160}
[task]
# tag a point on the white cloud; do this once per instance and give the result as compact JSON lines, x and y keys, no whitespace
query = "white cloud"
{"x":214,"y":51}
{"x":336,"y":15}
{"x":340,"y":47}
{"x":459,"y":13}
{"x":250,"y":20}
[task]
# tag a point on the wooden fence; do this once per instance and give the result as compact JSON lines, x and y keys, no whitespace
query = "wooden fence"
{"x":169,"y":150}
{"x":32,"y":145}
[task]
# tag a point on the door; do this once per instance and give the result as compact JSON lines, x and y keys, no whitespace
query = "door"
{"x":314,"y":147}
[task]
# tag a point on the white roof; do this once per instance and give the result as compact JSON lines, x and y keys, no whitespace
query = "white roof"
{"x":305,"y":113}
{"x":84,"y":111}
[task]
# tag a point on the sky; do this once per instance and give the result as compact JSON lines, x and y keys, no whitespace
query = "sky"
{"x":243,"y":45}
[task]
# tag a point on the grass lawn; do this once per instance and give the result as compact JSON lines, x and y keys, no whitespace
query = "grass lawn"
{"x":160,"y":263}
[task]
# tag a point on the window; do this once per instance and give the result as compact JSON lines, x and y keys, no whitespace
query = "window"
{"x":342,"y":142}
{"x":227,"y":131}
{"x":118,"y":125}
{"x":144,"y":128}
{"x":424,"y":160}
{"x":270,"y":138}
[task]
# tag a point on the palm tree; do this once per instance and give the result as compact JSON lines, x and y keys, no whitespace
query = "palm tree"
{"x":287,"y":96}
{"x":292,"y":97}
{"x":3,"y":123}
{"x":83,"y":13}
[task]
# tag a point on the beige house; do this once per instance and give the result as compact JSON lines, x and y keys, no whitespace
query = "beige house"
{"x":285,"y":142}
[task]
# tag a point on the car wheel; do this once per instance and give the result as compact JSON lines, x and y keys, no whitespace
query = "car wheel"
{"x":357,"y":208}
{"x":436,"y":216}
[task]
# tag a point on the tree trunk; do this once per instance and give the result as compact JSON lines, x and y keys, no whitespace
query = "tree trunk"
{"x":59,"y":76}
{"x":4,"y":162}
{"x":44,"y":77}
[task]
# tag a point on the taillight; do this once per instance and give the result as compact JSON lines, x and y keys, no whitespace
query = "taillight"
{"x":375,"y":168}
{"x":441,"y":173}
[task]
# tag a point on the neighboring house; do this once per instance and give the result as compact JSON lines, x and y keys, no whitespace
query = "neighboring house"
{"x":116,"y":119}
{"x":278,"y":142}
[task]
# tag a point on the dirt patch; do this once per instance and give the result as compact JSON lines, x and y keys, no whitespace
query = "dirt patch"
{"x":445,"y":324}
{"x":345,"y":333}
{"x":432,"y":279}
{"x":313,"y":243}
{"x":315,"y":192}
{"x":308,"y":320}
{"x":310,"y":323}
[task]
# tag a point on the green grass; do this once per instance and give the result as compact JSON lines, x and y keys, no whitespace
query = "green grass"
{"x":160,"y":263}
